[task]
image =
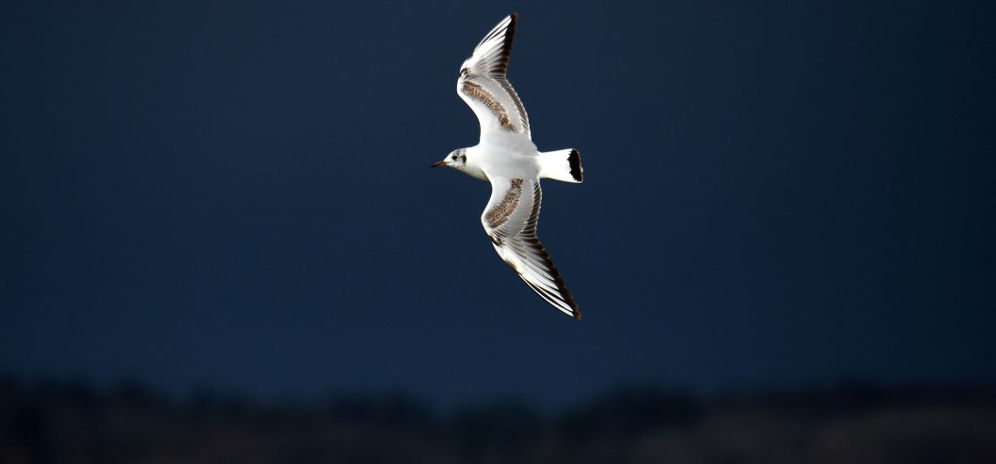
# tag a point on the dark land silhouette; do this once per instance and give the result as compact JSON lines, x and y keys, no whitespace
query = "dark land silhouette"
{"x":74,"y":422}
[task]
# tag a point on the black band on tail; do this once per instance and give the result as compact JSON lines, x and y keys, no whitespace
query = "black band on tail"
{"x":575,"y":161}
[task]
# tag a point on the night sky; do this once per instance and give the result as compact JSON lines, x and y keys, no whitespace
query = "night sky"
{"x":238,"y":195}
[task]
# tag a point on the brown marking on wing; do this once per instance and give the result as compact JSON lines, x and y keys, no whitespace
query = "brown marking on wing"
{"x":515,"y":98}
{"x":479,"y":93}
{"x":497,"y":215}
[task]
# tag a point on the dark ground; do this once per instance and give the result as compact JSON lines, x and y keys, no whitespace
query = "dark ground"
{"x":73,"y":423}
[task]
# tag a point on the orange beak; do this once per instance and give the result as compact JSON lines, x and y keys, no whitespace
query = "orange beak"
{"x":438,"y":164}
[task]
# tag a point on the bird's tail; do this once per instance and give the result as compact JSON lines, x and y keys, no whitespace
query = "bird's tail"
{"x":563,"y":165}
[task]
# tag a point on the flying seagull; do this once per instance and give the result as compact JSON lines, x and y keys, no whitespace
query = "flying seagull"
{"x":507,"y":157}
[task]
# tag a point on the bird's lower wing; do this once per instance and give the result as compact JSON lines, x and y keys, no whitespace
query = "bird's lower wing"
{"x":510,"y":220}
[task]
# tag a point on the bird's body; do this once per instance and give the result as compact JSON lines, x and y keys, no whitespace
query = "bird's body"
{"x":508,"y":159}
{"x":511,"y":157}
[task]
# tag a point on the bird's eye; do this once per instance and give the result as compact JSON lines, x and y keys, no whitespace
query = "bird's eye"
{"x":453,"y":157}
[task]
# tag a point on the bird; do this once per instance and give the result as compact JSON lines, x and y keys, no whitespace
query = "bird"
{"x":506,"y":157}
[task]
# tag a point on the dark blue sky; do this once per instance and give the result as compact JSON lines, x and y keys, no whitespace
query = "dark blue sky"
{"x":238,"y":195}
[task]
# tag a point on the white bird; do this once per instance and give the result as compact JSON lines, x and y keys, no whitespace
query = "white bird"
{"x":507,"y":157}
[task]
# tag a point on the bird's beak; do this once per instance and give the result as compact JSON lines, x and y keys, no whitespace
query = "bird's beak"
{"x":438,"y":164}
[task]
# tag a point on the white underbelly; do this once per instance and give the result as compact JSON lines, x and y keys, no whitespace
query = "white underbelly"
{"x":509,"y":164}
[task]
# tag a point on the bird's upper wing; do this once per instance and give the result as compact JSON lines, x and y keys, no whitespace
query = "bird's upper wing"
{"x":482,"y":83}
{"x":510,"y":221}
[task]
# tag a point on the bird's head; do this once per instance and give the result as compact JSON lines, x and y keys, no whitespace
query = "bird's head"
{"x":457,"y":159}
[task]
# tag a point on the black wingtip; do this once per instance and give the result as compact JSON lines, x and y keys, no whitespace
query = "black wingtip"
{"x":509,"y":37}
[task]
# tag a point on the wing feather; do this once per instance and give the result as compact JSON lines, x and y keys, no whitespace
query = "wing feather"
{"x":510,"y":220}
{"x":484,"y":87}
